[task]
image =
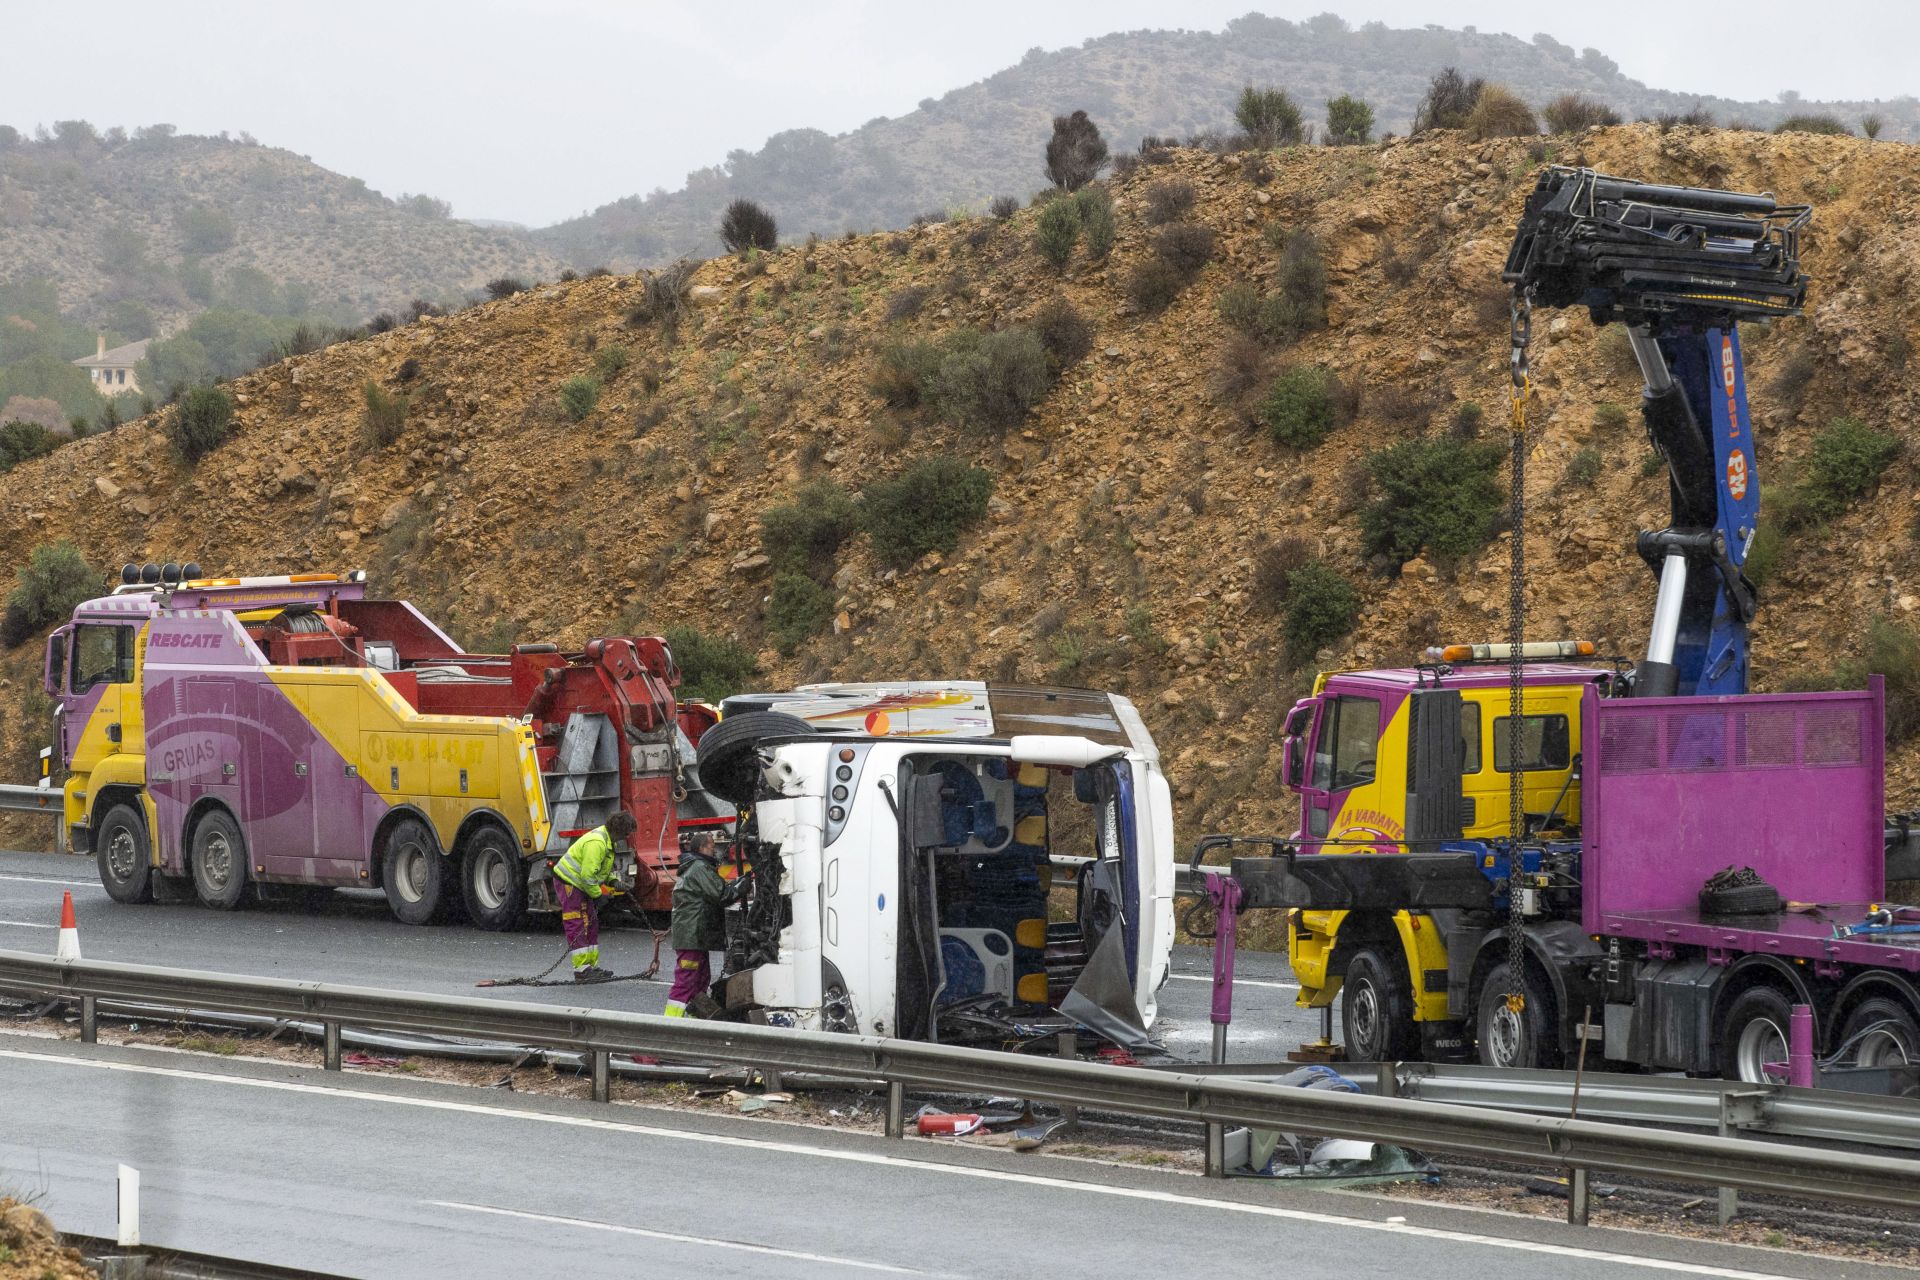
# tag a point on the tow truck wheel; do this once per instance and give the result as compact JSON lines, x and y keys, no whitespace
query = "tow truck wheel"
{"x":219,"y":857}
{"x":415,"y":874}
{"x":1516,"y":1039}
{"x":1376,"y":1010}
{"x":1751,"y":1040}
{"x":126,"y":869}
{"x":1886,"y":1034}
{"x":493,"y":881}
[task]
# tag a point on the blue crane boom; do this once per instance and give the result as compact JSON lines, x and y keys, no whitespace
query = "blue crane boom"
{"x":1681,"y":268}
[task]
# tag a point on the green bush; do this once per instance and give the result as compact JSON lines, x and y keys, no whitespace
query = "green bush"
{"x":20,"y":441}
{"x":1763,"y":553}
{"x":1848,"y":458}
{"x":746,"y":226}
{"x":1269,"y":118}
{"x":1893,"y":653}
{"x":1058,"y":230}
{"x":1812,"y":124}
{"x":200,"y":423}
{"x":903,"y":370}
{"x":578,"y":396}
{"x":1435,"y":495}
{"x":925,"y":509}
{"x":1240,"y":307}
{"x":989,"y":381}
{"x":1299,"y":303}
{"x":1298,"y":407}
{"x":1609,"y":417}
{"x":799,"y":608}
{"x":1582,"y":469}
{"x":1096,"y":221}
{"x":1321,"y":607}
{"x":1349,"y":121}
{"x":802,"y":536}
{"x":385,"y":416}
{"x":55,"y":579}
{"x":609,"y":360}
{"x":711,"y":667}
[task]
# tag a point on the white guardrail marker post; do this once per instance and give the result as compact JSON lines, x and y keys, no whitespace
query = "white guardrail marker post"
{"x":129,"y":1210}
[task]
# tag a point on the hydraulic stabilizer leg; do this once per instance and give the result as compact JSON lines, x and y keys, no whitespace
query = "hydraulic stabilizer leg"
{"x":1658,"y":677}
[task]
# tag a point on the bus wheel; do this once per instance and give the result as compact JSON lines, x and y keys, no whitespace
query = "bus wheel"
{"x":416,"y":873}
{"x":219,"y":857}
{"x":1376,"y":1010}
{"x":1510,"y":1038}
{"x":493,"y":880}
{"x":126,"y":869}
{"x":1752,"y":1037}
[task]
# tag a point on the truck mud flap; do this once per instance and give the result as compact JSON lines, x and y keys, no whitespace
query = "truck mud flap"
{"x":1364,"y":881}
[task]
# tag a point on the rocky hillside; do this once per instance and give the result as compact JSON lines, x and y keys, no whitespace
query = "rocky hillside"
{"x":1129,"y":513}
{"x":983,"y":140}
{"x":171,"y":224}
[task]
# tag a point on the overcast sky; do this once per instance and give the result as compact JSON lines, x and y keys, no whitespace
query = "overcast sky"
{"x":537,"y":110}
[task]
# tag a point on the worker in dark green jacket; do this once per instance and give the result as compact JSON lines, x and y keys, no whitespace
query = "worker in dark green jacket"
{"x":700,"y":900}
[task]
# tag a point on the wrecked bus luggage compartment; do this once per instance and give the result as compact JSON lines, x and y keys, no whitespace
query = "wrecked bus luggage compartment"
{"x":905,"y":839}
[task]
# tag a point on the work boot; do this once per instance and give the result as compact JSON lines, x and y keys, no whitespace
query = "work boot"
{"x":592,"y":973}
{"x":703,"y":1006}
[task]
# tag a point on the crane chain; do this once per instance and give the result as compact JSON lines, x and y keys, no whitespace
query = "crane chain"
{"x":1521,"y":315}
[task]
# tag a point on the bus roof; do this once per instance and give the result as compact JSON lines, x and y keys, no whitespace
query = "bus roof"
{"x":959,"y":709}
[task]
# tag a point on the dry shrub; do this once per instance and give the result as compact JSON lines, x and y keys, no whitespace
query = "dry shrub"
{"x":1169,"y":201}
{"x":1498,"y":112}
{"x":1573,"y":112}
{"x":1273,"y":565}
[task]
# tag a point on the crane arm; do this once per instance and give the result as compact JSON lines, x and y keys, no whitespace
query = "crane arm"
{"x":1681,"y":267}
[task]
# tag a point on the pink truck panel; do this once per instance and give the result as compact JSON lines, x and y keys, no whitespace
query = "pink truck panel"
{"x":1675,"y":789}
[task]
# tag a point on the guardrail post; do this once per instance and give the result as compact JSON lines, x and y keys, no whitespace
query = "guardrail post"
{"x":1068,"y":1046}
{"x":896,"y":1109}
{"x":330,"y":1046}
{"x":60,"y":831}
{"x":89,"y":1020}
{"x":1577,"y":1197}
{"x":602,"y":1076}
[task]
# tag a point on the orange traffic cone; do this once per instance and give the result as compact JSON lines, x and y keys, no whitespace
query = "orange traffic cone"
{"x":69,"y":948}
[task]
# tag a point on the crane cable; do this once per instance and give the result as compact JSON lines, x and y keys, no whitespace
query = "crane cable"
{"x":1521,"y":390}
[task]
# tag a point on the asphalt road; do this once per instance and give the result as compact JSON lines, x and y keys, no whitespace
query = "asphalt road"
{"x":381,"y":1177}
{"x":353,"y":939}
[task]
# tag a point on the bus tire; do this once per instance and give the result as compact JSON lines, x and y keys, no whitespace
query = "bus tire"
{"x":493,"y":880}
{"x":725,"y":755}
{"x":124,"y":855}
{"x":1376,"y":1009}
{"x":1509,"y":1039}
{"x":415,"y":874}
{"x":1753,"y":1032}
{"x":219,"y":856}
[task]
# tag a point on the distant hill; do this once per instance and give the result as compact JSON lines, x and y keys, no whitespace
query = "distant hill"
{"x":974,"y":143}
{"x":137,"y":233}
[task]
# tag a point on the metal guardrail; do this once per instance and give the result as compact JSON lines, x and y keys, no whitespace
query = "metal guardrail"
{"x":18,"y":798}
{"x":1579,"y":1145}
{"x":1778,"y":1110}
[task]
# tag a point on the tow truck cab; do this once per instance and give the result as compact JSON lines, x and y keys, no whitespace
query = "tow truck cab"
{"x":916,"y":831}
{"x":1353,"y":753}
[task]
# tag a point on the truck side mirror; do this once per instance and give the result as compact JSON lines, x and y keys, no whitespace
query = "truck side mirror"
{"x":1293,"y":756}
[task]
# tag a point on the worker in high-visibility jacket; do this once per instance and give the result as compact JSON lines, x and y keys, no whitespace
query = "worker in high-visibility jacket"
{"x":700,"y":899}
{"x":584,"y":875}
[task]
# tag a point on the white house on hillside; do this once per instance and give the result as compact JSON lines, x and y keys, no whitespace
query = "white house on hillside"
{"x":112,"y":371}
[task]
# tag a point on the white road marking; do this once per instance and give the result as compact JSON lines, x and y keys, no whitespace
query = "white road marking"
{"x":681,"y":1239}
{"x":762,"y":1145}
{"x":77,"y":884}
{"x":1238,"y":982}
{"x":28,"y":924}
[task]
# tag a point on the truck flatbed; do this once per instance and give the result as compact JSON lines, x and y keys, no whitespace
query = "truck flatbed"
{"x":1799,"y":935}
